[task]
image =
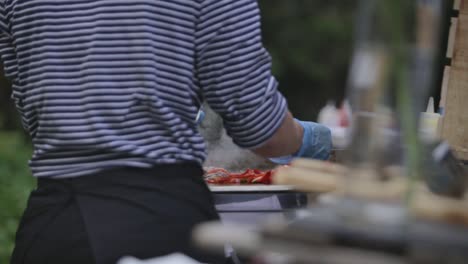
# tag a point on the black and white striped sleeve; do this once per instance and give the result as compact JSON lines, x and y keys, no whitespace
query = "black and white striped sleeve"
{"x":7,"y":54}
{"x":234,"y":71}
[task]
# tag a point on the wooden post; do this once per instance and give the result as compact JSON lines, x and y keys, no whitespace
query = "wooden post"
{"x":454,"y":127}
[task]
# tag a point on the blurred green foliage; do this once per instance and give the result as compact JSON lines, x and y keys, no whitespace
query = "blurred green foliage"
{"x":310,"y":43}
{"x":15,"y":185}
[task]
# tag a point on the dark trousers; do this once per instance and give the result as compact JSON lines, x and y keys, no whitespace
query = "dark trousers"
{"x":120,"y":212}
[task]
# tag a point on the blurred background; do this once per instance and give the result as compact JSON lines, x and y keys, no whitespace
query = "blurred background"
{"x":310,"y":43}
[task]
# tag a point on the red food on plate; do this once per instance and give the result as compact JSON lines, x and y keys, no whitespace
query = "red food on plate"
{"x":250,"y":176}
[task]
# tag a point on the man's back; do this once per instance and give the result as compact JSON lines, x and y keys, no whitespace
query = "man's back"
{"x":93,"y":78}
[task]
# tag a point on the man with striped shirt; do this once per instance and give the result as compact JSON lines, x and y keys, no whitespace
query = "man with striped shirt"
{"x":109,"y":91}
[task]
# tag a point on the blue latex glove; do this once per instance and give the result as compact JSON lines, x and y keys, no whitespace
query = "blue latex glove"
{"x":316,"y":143}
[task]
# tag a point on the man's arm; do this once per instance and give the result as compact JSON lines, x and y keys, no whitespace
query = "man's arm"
{"x":286,"y":140}
{"x":234,"y":74}
{"x":7,"y":51}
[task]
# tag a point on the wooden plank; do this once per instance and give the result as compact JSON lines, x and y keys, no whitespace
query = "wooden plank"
{"x":454,"y":94}
{"x":463,"y":6}
{"x":455,"y":121}
{"x":451,"y":40}
{"x":456,"y":4}
{"x":460,"y":49}
{"x":307,"y":179}
{"x":461,"y":153}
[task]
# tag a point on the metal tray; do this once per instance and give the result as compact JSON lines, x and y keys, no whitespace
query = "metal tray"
{"x":252,"y":188}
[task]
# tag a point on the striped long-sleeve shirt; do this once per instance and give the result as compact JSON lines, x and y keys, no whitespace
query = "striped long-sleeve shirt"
{"x":107,"y":83}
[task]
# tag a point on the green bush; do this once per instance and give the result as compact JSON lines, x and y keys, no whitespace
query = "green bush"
{"x":16,"y":183}
{"x":310,"y":43}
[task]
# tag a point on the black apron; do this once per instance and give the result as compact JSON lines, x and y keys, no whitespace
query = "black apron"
{"x":99,"y":218}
